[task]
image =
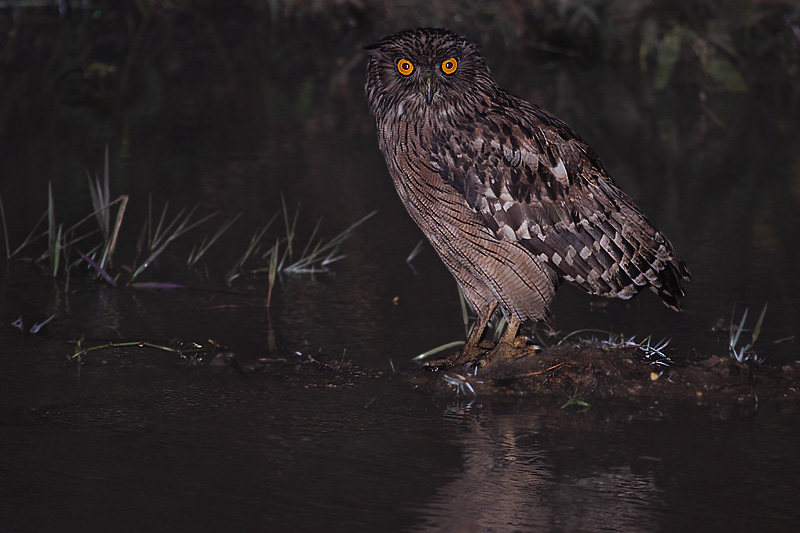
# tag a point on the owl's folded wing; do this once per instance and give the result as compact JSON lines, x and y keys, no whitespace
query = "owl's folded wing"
{"x":534,"y":181}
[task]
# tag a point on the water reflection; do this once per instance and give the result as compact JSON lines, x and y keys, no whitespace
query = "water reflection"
{"x":493,"y":464}
{"x":528,"y":467}
{"x":509,"y":481}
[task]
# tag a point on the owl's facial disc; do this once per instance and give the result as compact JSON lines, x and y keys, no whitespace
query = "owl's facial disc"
{"x":424,"y":78}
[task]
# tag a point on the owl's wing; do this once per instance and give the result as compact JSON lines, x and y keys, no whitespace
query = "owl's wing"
{"x":533,"y":180}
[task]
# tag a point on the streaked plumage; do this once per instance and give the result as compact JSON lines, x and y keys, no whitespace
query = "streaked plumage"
{"x":508,"y":195}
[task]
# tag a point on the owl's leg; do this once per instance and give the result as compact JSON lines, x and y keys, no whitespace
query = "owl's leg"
{"x":510,"y":334}
{"x":470,"y":352}
{"x":484,"y":316}
{"x":509,"y":343}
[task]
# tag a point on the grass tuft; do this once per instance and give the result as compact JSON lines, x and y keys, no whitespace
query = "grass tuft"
{"x":165,"y":235}
{"x":316,"y":256}
{"x":653,"y":351}
{"x":745,"y":354}
{"x":101,"y":239}
{"x":101,"y":202}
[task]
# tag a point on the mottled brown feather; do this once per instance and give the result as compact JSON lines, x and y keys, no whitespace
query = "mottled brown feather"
{"x":509,"y":196}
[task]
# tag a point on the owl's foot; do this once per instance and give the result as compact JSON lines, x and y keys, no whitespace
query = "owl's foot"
{"x":509,"y":345}
{"x":468,"y":355}
{"x":473,"y":349}
{"x":515,"y":348}
{"x":478,"y":356}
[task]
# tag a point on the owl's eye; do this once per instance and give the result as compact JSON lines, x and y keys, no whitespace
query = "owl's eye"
{"x":449,"y":65}
{"x":405,"y":67}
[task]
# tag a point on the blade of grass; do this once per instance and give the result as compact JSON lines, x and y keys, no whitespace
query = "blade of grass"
{"x":140,"y":244}
{"x":169,"y":235}
{"x":109,"y":244}
{"x":587,"y":330}
{"x":273,"y":269}
{"x":101,"y":197}
{"x":311,"y":238}
{"x":290,"y":229}
{"x":443,"y":347}
{"x":109,"y":254}
{"x":415,"y":252}
{"x":97,"y":204}
{"x":106,"y":180}
{"x":39,"y":325}
{"x":149,"y":222}
{"x":760,"y":322}
{"x":98,"y":268}
{"x":160,"y":231}
{"x":90,"y":253}
{"x":324,"y":254}
{"x":236,"y":269}
{"x":498,"y":329}
{"x":734,"y":337}
{"x":51,"y":228}
{"x":208,"y":242}
{"x":5,"y":229}
{"x":94,"y":213}
{"x":30,"y":238}
{"x":81,"y":351}
{"x":57,"y":251}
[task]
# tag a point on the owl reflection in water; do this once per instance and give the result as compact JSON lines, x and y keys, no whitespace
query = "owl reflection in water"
{"x":511,"y":199}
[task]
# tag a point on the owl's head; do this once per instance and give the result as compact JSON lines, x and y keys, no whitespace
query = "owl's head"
{"x":425,"y":70}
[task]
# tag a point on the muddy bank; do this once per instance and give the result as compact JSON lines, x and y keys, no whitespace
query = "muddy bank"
{"x":585,"y":372}
{"x":575,"y":375}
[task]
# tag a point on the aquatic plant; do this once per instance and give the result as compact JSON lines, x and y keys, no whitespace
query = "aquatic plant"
{"x":281,"y":256}
{"x":101,"y":202}
{"x":577,"y":402}
{"x":69,"y":246}
{"x":460,"y":383}
{"x":745,"y":354}
{"x":165,"y":233}
{"x":35,"y":328}
{"x":187,"y":351}
{"x":652,"y":351}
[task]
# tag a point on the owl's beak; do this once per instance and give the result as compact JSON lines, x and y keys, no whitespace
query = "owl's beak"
{"x":430,"y":90}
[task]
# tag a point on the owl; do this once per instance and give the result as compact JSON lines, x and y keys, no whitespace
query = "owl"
{"x":510,"y":197}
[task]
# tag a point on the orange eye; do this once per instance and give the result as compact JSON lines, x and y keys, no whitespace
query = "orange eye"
{"x":449,"y":65}
{"x":405,"y":67}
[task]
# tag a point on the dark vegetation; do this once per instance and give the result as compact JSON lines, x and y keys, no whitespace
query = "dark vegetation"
{"x":101,"y":53}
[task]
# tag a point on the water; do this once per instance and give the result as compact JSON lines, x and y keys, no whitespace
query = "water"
{"x":137,"y":438}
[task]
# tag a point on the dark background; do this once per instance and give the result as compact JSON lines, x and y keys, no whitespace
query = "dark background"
{"x":694,"y":108}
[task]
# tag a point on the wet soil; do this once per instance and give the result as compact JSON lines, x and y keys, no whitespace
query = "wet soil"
{"x":584,"y":372}
{"x":576,"y":374}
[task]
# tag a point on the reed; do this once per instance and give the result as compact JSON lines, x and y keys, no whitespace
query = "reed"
{"x":94,"y":244}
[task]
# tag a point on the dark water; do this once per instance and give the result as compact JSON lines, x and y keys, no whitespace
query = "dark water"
{"x":138,"y":439}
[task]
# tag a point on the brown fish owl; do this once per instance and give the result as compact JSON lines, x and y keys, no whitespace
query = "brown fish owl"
{"x":511,"y":198}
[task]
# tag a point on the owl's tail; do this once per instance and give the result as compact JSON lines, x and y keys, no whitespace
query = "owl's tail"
{"x":669,"y":288}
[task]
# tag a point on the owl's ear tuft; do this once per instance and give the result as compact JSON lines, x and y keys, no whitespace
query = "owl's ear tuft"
{"x":374,"y":48}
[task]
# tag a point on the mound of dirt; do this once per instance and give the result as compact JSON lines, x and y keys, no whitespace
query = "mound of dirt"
{"x":587,"y":371}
